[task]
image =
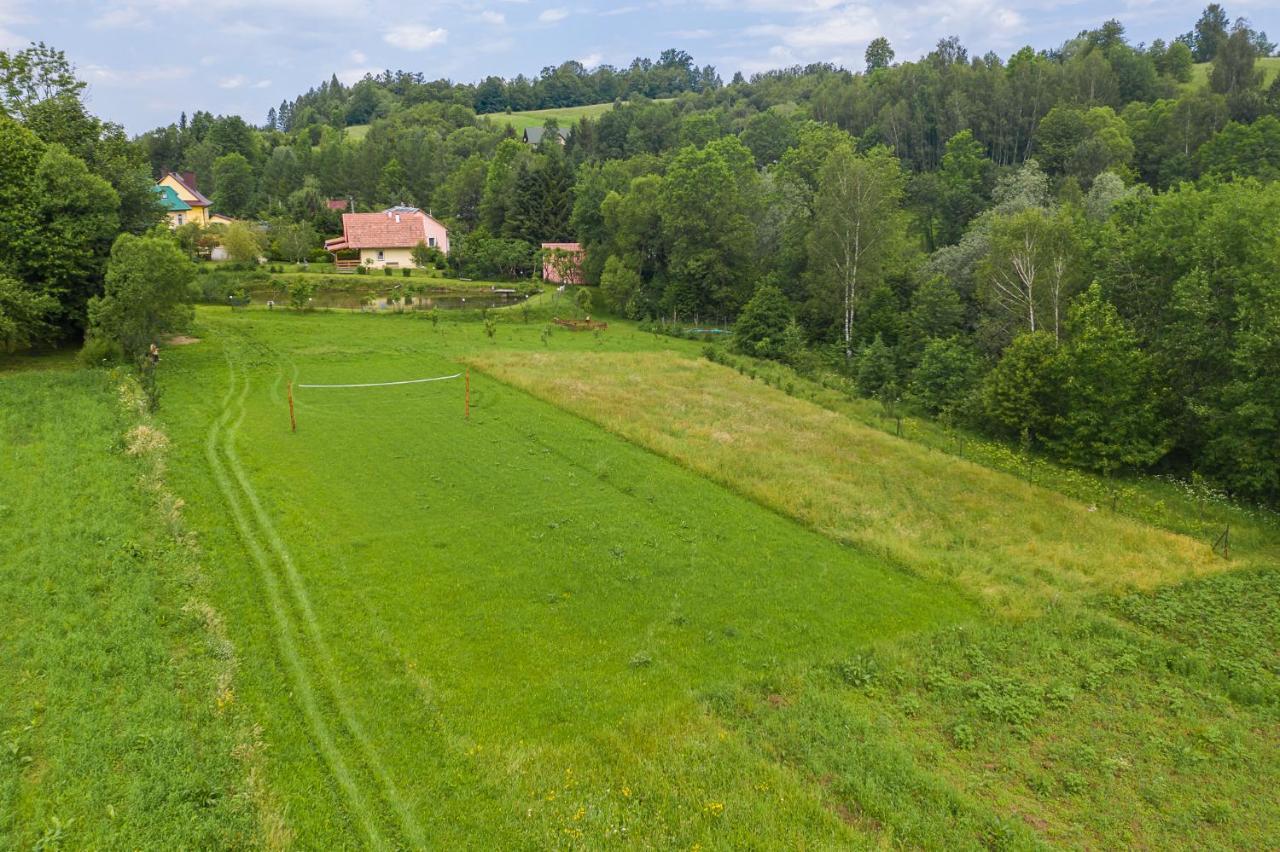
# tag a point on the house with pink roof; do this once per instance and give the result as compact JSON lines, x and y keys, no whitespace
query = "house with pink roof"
{"x":386,"y":238}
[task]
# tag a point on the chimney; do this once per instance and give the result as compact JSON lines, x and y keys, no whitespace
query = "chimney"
{"x":189,"y":178}
{"x":397,"y":218}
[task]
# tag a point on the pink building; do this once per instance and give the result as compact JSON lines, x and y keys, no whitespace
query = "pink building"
{"x":562,"y":263}
{"x":387,"y":238}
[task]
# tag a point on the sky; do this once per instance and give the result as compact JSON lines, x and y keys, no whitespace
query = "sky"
{"x":146,"y":61}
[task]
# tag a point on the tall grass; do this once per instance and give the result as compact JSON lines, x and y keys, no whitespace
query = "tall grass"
{"x":1010,"y":544}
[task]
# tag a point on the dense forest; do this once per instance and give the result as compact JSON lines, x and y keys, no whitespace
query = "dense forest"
{"x":1076,"y":248}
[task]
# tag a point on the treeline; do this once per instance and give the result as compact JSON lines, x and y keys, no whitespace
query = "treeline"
{"x":69,"y":185}
{"x":1074,"y":248}
{"x":568,"y":84}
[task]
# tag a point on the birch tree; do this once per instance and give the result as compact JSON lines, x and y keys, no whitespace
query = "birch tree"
{"x":859,"y":226}
{"x":1029,"y":269}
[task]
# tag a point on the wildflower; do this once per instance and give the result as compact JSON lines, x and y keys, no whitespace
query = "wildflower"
{"x":626,"y":792}
{"x":714,"y":808}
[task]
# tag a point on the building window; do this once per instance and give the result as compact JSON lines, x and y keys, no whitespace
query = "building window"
{"x":182,"y":220}
{"x":431,"y":241}
{"x":380,"y":255}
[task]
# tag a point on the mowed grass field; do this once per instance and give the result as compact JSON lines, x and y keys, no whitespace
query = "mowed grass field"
{"x":498,"y":630}
{"x":634,"y":600}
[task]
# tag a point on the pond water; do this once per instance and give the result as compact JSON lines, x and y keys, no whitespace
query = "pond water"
{"x":444,"y":300}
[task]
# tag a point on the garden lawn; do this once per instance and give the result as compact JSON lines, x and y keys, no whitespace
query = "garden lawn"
{"x":497,"y":631}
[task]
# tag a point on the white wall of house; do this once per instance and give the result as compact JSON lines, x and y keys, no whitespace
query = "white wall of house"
{"x":378,"y":258}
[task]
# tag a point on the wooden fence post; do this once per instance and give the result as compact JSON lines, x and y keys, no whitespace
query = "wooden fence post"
{"x":293,"y":421}
{"x":467,"y":411}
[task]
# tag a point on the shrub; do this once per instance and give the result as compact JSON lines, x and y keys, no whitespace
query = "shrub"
{"x":100,"y":352}
{"x":762,"y":325}
{"x":947,"y":373}
{"x":301,"y":293}
{"x":876,"y":368}
{"x":405,"y":272}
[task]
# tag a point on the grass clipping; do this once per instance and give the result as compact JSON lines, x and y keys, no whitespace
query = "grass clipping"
{"x":1014,"y":546}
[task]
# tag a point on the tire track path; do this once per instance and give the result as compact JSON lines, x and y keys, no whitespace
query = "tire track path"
{"x":311,"y":625}
{"x":284,"y":632}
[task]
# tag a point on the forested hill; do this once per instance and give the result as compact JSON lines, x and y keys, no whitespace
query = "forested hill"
{"x":1076,"y":248}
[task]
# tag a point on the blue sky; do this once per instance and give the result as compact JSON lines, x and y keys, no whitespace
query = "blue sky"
{"x":148,"y":60}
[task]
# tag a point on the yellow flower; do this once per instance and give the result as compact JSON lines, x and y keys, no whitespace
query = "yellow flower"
{"x":714,"y":808}
{"x":582,"y":811}
{"x":626,"y":791}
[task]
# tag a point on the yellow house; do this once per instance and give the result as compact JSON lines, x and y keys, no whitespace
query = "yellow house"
{"x":182,"y":201}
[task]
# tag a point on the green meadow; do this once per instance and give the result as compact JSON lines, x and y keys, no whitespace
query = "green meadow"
{"x":519,"y":121}
{"x":566,"y":116}
{"x":1200,"y":72}
{"x":634,"y":599}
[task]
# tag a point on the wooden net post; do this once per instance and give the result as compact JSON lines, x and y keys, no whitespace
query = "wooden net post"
{"x":293,"y":421}
{"x":467,"y":409}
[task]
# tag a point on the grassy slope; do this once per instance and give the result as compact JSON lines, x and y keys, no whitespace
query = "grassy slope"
{"x":566,"y":116}
{"x":1076,"y":729}
{"x":1270,"y":66}
{"x":1147,"y":719}
{"x":110,"y":727}
{"x":1009,"y":544}
{"x":523,"y":630}
{"x":497,"y":629}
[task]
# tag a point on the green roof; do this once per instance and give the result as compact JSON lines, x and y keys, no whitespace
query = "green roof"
{"x":169,"y":199}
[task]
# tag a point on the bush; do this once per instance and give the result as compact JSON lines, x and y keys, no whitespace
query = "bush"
{"x":405,"y":272}
{"x":301,"y":293}
{"x":876,"y":367}
{"x":763,"y":323}
{"x":947,"y":374}
{"x":100,"y":352}
{"x":362,"y":270}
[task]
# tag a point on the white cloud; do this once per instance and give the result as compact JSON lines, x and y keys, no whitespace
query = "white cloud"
{"x":415,"y":36}
{"x":550,"y":16}
{"x":495,"y":18}
{"x":358,"y":57}
{"x":850,"y":26}
{"x":233,"y":82}
{"x":262,"y":84}
{"x":10,"y":14}
{"x":244,"y":29}
{"x":691,"y":34}
{"x":121,"y":17}
{"x":350,"y":76}
{"x":107,"y":76}
{"x":591,"y":60}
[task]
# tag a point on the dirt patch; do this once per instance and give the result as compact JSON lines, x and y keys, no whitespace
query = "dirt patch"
{"x":777,"y":701}
{"x":181,"y":340}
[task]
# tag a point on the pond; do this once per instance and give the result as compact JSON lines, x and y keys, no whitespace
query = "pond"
{"x":443,"y":299}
